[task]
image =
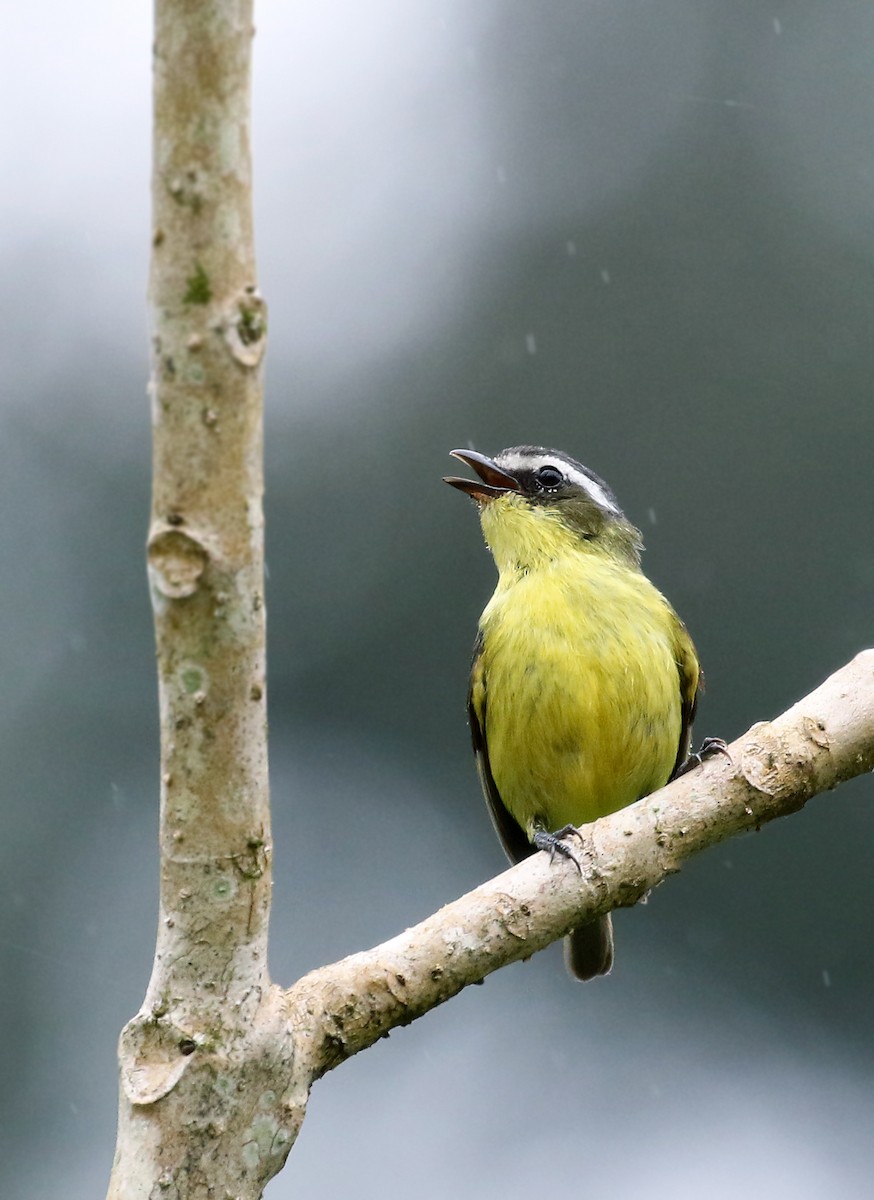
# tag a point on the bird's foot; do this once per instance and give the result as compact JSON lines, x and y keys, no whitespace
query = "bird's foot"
{"x":709,"y":747}
{"x":555,"y":843}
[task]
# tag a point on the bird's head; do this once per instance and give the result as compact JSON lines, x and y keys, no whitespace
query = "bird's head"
{"x":537,"y":504}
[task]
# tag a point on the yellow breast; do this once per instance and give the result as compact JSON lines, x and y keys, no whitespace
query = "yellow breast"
{"x":582,"y":690}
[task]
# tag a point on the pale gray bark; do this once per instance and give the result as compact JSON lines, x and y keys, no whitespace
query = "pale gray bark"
{"x":775,"y":768}
{"x":210,"y":1042}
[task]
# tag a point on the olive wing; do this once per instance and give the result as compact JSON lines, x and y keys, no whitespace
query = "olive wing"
{"x":691,"y":687}
{"x":512,"y":836}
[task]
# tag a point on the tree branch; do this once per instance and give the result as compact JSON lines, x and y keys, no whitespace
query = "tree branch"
{"x":217,"y":1066}
{"x":775,"y":768}
{"x":210,"y":1041}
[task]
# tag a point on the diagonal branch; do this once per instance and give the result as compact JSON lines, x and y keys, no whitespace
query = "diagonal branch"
{"x":775,"y":768}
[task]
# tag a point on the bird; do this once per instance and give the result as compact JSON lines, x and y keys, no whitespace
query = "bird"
{"x":584,"y":682}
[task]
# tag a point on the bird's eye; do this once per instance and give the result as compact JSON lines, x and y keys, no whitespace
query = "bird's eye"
{"x":550,"y":477}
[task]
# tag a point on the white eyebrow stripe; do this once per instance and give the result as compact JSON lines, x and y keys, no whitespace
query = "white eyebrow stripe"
{"x":518,"y":462}
{"x":594,"y":489}
{"x":530,"y":462}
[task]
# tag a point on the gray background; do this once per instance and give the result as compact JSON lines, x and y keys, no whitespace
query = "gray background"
{"x":642,"y":232}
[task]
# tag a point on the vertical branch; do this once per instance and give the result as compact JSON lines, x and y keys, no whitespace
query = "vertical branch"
{"x":205,"y":548}
{"x":210,"y":1037}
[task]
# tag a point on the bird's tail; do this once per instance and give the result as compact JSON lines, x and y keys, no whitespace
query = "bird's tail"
{"x":588,"y":951}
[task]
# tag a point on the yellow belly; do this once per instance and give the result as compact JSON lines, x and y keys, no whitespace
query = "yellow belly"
{"x":582,"y":691}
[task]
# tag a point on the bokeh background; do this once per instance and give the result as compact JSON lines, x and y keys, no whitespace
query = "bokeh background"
{"x":641,"y":232}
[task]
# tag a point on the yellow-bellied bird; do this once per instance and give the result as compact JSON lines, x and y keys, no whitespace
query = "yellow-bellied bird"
{"x":584,"y":680}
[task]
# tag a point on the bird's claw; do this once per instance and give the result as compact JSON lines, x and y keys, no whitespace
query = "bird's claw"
{"x":709,"y":747}
{"x":554,"y":843}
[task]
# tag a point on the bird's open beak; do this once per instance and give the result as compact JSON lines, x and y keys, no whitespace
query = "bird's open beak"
{"x":495,"y":482}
